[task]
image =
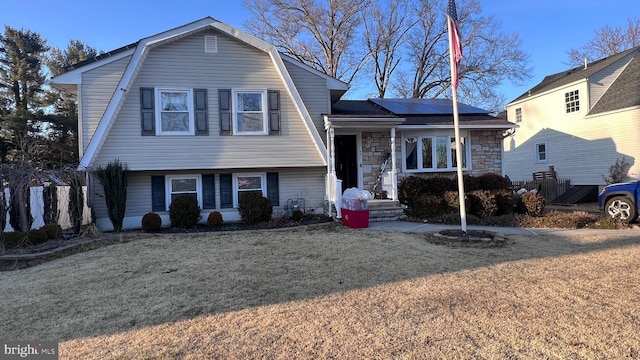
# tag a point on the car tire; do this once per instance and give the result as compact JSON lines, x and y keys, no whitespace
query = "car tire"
{"x":621,"y":207}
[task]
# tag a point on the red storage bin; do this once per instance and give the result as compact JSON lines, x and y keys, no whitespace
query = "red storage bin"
{"x":355,"y":218}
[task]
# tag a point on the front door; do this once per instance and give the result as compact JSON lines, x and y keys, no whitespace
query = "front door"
{"x":347,"y":160}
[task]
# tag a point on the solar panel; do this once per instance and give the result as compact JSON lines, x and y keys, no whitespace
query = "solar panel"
{"x":425,"y":106}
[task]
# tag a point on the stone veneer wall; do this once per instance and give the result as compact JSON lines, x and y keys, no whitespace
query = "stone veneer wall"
{"x":486,"y":153}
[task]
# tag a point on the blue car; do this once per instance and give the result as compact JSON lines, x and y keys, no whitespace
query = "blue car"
{"x":620,"y":201}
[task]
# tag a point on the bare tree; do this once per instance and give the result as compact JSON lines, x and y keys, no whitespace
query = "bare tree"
{"x":322,"y":35}
{"x":385,"y":28}
{"x":489,"y":56}
{"x":606,"y":42}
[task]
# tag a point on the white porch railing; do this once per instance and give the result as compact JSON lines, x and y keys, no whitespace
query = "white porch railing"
{"x":389,"y":184}
{"x":334,"y":193}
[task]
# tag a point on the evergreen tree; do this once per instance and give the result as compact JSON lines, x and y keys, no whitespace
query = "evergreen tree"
{"x":22,"y":53}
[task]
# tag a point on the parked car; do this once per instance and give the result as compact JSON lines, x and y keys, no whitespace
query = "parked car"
{"x":620,"y":200}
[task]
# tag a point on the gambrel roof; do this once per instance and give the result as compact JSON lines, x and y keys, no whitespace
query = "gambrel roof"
{"x":70,"y":80}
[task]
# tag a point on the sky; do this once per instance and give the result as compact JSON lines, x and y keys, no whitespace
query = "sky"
{"x":546,"y":28}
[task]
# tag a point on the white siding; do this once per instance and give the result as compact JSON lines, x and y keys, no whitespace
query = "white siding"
{"x":313,"y":90}
{"x":293,"y":184}
{"x":98,"y":86}
{"x":183,"y":63}
{"x":580,"y":148}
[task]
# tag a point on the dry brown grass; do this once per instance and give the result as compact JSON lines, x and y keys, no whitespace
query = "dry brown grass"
{"x":332,"y":292}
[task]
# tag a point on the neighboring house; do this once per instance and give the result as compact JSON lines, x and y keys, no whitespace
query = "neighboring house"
{"x":579,"y":121}
{"x":208,"y":110}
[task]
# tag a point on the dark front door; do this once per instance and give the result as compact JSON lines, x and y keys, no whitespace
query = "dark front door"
{"x":346,"y":160}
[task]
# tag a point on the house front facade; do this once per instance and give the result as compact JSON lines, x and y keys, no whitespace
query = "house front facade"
{"x":212,"y":112}
{"x":580,"y":122}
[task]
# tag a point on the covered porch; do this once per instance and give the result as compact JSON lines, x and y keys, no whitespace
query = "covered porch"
{"x":363,"y":153}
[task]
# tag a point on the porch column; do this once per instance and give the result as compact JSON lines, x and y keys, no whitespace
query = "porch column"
{"x":394,"y":176}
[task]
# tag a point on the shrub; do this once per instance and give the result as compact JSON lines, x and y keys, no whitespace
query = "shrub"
{"x":427,"y":206}
{"x":531,"y":203}
{"x":618,"y":172}
{"x":437,"y":185}
{"x":184,"y":212}
{"x":297,"y":215}
{"x":492,"y":181}
{"x":215,"y":219}
{"x":255,"y":208}
{"x":37,"y":236}
{"x":114,"y":179}
{"x":53,"y":230}
{"x":14,"y":239}
{"x":151,"y":222}
{"x":504,"y":202}
{"x":410,"y":188}
{"x":482,"y":203}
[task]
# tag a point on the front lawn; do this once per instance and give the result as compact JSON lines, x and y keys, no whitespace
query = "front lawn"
{"x":327,"y":291}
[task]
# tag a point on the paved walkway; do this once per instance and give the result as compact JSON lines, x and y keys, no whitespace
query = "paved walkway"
{"x":407,"y":226}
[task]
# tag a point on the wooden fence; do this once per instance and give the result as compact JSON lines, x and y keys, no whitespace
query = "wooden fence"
{"x":549,"y":188}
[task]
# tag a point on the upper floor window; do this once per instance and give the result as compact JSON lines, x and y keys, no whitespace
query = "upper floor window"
{"x":541,"y":152}
{"x":174,"y":111}
{"x":433,"y":153}
{"x":519,"y":115}
{"x":572,"y":101}
{"x":250,"y":117}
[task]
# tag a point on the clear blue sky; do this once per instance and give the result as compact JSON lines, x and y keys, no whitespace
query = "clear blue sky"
{"x":547,"y":28}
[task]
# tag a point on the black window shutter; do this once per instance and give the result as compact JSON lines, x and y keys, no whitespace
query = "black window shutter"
{"x":158,"y":202}
{"x":226,"y":191}
{"x":208,"y":191}
{"x":200,"y":104}
{"x":147,"y":111}
{"x":224,"y":100}
{"x":274,"y":112}
{"x":273,"y":190}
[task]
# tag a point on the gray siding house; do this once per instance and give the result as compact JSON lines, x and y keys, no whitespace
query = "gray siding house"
{"x":208,"y":110}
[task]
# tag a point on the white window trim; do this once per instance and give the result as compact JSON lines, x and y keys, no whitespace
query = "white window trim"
{"x":158,"y":111}
{"x":168,"y":186}
{"x":265,"y":115}
{"x":518,"y":115}
{"x":537,"y":153}
{"x":263,"y":183}
{"x":577,"y":93}
{"x":449,"y":168}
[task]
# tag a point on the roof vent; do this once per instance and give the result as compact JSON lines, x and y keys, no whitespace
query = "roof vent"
{"x":585,"y":63}
{"x":210,"y":44}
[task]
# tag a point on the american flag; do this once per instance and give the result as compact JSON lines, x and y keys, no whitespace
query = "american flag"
{"x":455,"y":44}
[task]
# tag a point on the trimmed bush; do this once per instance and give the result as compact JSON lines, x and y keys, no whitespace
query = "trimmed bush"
{"x":531,"y":203}
{"x":482,"y":203}
{"x":491,"y":181}
{"x":426,"y":206}
{"x":297,"y":215}
{"x":53,"y":230}
{"x":184,"y":212}
{"x":37,"y":236}
{"x":14,"y":239}
{"x":504,"y":202}
{"x":410,"y":188}
{"x":437,"y":185}
{"x":151,"y":222}
{"x":215,"y":219}
{"x":255,"y":208}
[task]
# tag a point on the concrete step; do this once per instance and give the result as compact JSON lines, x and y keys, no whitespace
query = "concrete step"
{"x":385,"y":210}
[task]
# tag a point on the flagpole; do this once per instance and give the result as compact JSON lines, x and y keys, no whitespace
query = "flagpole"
{"x":456,"y":126}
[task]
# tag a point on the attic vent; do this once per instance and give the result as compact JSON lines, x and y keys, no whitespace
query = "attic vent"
{"x":210,"y":44}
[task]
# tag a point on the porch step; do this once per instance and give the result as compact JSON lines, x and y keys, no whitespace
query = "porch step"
{"x":385,"y":210}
